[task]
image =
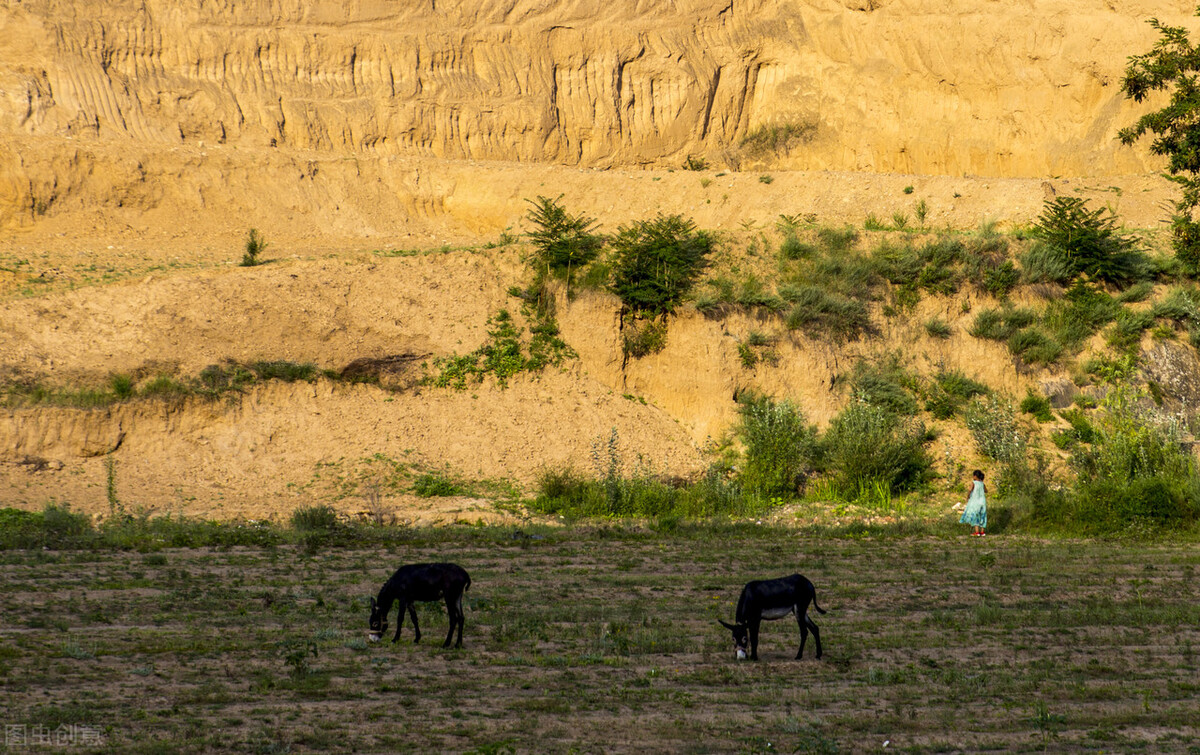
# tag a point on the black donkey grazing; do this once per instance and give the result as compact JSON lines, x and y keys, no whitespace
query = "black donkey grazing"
{"x":772,"y":599}
{"x":424,"y":582}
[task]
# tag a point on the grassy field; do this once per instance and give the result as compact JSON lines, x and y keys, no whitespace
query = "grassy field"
{"x":607,"y":641}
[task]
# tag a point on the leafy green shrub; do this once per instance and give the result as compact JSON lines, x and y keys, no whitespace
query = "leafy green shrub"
{"x":1001,"y":324}
{"x":122,"y":386}
{"x":437,"y":485}
{"x":781,"y":447}
{"x":921,"y":211}
{"x":950,"y":391}
{"x":885,"y":384}
{"x":1081,"y":429}
{"x":1034,"y":347}
{"x":867,"y":444}
{"x":640,"y":494}
{"x":837,"y":240}
{"x":643,"y":338}
{"x":503,"y":355}
{"x":563,"y":243}
{"x":822,"y":312}
{"x":315,"y":518}
{"x":1000,"y":281}
{"x":255,"y":245}
{"x":938,"y":328}
{"x":993,"y":424}
{"x":695,"y":163}
{"x":792,"y":248}
{"x":655,"y":263}
{"x":1080,"y":314}
{"x":1090,"y":240}
{"x":872,"y":222}
{"x":1126,"y":332}
{"x":1038,"y":406}
{"x":1042,"y":263}
{"x":1135,"y":470}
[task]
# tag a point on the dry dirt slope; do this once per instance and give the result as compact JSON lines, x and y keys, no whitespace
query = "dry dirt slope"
{"x":139,"y":142}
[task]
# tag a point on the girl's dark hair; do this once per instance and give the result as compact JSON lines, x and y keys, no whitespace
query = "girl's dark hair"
{"x":978,"y":474}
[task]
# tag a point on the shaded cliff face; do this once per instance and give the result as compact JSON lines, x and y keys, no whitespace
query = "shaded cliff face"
{"x":979,"y":87}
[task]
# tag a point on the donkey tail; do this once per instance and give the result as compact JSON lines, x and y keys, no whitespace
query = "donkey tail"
{"x":819,"y":609}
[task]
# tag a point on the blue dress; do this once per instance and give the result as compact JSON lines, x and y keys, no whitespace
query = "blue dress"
{"x":975,"y":513}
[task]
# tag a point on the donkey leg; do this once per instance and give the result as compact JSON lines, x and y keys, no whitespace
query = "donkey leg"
{"x":399,"y":621}
{"x":816,"y":632}
{"x":801,"y":618}
{"x":450,"y":613}
{"x":412,"y":612}
{"x":462,"y":619}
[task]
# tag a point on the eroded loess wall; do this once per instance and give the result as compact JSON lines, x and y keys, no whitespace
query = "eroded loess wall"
{"x":974,"y":86}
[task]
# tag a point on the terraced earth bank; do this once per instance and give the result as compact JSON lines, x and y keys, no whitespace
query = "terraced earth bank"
{"x":140,"y":141}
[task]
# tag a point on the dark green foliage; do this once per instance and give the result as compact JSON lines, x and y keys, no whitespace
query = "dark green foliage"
{"x":1001,"y":280}
{"x":781,"y":447}
{"x":255,"y":245}
{"x":1171,"y":65}
{"x":641,"y":338}
{"x":437,"y":485}
{"x":655,"y":263}
{"x":1077,"y":316}
{"x":315,"y":518}
{"x":938,"y":328}
{"x":1091,"y":241}
{"x":932,"y":267}
{"x":569,"y":494}
{"x":792,"y":248}
{"x":1132,"y":468}
{"x":820,"y":312}
{"x":1083,"y":430}
{"x":563,"y":243}
{"x":695,"y":163}
{"x":868,"y":445}
{"x":1038,"y":406}
{"x":1138,"y":292}
{"x":1033,"y":346}
{"x":1126,"y":332}
{"x":837,"y":240}
{"x":503,"y":355}
{"x":1001,"y":324}
{"x":123,"y":387}
{"x":885,"y":384}
{"x":1185,"y":239}
{"x":950,"y":391}
{"x":1042,"y":263}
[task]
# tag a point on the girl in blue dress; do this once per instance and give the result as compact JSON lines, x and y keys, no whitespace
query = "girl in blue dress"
{"x":975,"y":512}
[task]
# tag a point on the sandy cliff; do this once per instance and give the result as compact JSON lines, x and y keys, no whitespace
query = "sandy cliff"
{"x":976,"y":87}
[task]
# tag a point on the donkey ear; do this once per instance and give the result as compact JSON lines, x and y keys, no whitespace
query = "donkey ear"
{"x":727,"y":626}
{"x":372,"y":604}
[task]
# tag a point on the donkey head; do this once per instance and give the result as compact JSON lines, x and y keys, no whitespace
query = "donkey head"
{"x":741,"y":638}
{"x":378,"y":622}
